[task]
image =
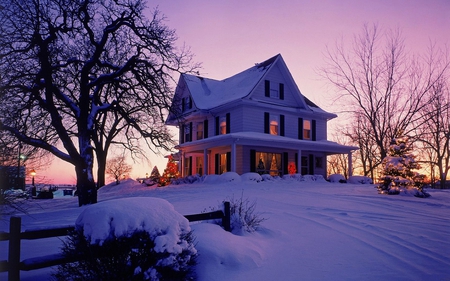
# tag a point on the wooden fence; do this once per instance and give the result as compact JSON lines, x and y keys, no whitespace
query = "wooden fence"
{"x":13,"y":265}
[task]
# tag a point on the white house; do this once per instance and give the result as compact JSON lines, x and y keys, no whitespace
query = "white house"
{"x":254,"y":121}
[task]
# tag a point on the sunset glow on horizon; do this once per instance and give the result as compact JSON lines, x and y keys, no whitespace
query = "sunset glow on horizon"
{"x":230,"y":36}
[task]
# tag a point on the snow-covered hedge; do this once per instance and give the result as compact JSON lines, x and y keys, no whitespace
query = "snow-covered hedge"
{"x":230,"y":177}
{"x":130,"y":239}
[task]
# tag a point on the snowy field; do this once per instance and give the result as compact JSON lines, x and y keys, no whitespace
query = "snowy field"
{"x":314,"y":230}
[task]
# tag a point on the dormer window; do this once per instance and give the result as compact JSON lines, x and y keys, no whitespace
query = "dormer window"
{"x":187,"y":103}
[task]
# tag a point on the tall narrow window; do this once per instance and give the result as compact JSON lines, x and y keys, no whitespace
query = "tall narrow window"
{"x":188,"y":132}
{"x":200,"y":131}
{"x":306,"y":129}
{"x":222,"y":163}
{"x":274,"y":125}
{"x":188,"y":166}
{"x":199,"y":165}
{"x":223,"y":125}
{"x":187,"y":103}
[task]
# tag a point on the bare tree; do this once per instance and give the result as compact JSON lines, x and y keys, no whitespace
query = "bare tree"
{"x":72,"y":67}
{"x":434,"y":132}
{"x":382,"y":86}
{"x":118,"y":168}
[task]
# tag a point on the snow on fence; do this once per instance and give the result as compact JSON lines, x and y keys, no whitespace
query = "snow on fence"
{"x":13,"y":265}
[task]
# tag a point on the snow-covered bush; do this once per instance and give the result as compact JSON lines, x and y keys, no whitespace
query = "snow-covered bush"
{"x":267,"y":177}
{"x":251,"y":177}
{"x":189,"y":180}
{"x":229,"y":177}
{"x":130,"y":239}
{"x":337,"y":178}
{"x":360,"y":180}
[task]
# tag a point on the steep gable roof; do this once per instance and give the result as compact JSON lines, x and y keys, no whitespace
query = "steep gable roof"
{"x":209,"y":93}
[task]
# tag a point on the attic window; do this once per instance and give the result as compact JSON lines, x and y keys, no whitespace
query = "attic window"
{"x":187,"y":103}
{"x":274,"y":90}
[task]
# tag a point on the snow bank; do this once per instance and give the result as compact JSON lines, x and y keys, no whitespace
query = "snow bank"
{"x":123,"y":217}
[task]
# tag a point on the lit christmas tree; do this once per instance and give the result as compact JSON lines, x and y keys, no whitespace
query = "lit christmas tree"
{"x":170,"y":172}
{"x":398,"y":171}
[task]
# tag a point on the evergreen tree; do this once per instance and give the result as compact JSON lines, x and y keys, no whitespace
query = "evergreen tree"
{"x":155,"y":175}
{"x":170,"y":172}
{"x":398,"y":171}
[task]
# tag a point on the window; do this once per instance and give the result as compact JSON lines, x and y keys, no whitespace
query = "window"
{"x":274,"y":93}
{"x":222,"y":163}
{"x":199,"y":165}
{"x":274,"y":125}
{"x":304,"y":167}
{"x":268,"y":163}
{"x":223,"y":125}
{"x":271,"y":90}
{"x":188,"y":132}
{"x":187,"y":103}
{"x":187,"y":166}
{"x":199,"y":131}
{"x":306,"y":129}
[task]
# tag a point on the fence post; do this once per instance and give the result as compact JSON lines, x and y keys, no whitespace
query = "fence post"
{"x":226,"y":220}
{"x":14,"y":249}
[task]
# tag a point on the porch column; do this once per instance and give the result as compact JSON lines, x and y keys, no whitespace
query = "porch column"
{"x":233,"y":157}
{"x":299,"y":161}
{"x":205,"y":162}
{"x":181,"y":167}
{"x":350,"y":163}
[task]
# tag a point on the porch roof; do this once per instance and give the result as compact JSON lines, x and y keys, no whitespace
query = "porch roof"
{"x":267,"y":140}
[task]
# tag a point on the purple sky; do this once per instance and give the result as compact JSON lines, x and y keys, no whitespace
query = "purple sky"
{"x":230,"y":36}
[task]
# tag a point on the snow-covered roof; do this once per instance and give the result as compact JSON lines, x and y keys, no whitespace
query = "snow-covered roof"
{"x":209,"y":93}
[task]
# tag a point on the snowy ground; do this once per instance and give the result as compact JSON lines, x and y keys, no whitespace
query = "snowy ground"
{"x":313,"y":231}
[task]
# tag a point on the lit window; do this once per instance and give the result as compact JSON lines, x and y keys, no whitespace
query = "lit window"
{"x":273,"y":125}
{"x":223,"y":163}
{"x":187,"y":166}
{"x":306,"y":129}
{"x":223,"y":125}
{"x":268,"y":163}
{"x":199,"y":131}
{"x":199,"y":165}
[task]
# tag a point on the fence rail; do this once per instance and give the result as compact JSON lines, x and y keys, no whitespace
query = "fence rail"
{"x":13,"y":265}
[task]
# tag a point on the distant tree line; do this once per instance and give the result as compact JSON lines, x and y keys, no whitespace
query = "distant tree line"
{"x":390,"y":92}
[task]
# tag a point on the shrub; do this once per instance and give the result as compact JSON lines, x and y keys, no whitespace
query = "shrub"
{"x":124,"y":258}
{"x":243,"y":215}
{"x":129,"y":239}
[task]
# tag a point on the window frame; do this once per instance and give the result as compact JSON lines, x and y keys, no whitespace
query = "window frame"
{"x":307,"y":132}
